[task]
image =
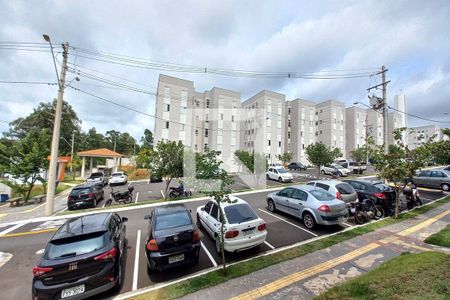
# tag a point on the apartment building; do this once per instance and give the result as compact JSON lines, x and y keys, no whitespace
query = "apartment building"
{"x":416,"y":136}
{"x":374,"y":123}
{"x":263,"y":124}
{"x":395,"y":121}
{"x":330,"y":124}
{"x":356,"y":128}
{"x":300,"y":130}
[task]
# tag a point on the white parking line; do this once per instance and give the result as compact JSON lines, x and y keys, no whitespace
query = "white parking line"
{"x":287,"y":222}
{"x":270,"y":246}
{"x":6,"y":231}
{"x":136,"y":261}
{"x":137,"y":196}
{"x":346,"y":224}
{"x":104,"y":203}
{"x":209,"y":254}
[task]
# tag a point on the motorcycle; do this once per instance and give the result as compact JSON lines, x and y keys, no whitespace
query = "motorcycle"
{"x":178,"y":192}
{"x":364,"y":210}
{"x":125,"y":197}
{"x":412,"y":197}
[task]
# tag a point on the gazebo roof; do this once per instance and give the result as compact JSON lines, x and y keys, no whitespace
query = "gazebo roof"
{"x":103,"y":152}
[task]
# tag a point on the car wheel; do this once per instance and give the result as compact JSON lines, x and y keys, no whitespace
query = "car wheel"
{"x":271,"y":205}
{"x":339,"y":174}
{"x":308,"y":220}
{"x":322,"y":172}
{"x":267,"y":177}
{"x":280,"y":180}
{"x":199,"y":224}
{"x":445,"y":187}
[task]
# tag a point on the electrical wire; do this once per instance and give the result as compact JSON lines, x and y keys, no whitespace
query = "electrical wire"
{"x":419,"y":117}
{"x":28,"y":82}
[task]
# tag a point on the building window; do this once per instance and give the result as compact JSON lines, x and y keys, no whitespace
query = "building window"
{"x":320,"y":111}
{"x":167,"y":125}
{"x":196,"y":132}
{"x":289,"y":134}
{"x":320,"y":132}
{"x":167,"y":107}
{"x":221,"y":116}
{"x":301,"y":133}
{"x":279,"y":143}
{"x":195,"y":147}
{"x":268,"y":142}
{"x":289,"y":123}
{"x":320,"y":121}
{"x":317,"y":113}
{"x":317,"y":123}
{"x":232,"y":118}
{"x":206,"y":132}
{"x":207,"y":103}
{"x":205,"y":147}
{"x":303,"y":146}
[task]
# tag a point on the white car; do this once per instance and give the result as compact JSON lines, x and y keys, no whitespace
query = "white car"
{"x":243,"y":228}
{"x":279,"y":173}
{"x":334,"y":169}
{"x":118,"y":178}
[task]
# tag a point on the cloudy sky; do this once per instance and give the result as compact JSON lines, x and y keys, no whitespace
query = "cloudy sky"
{"x":412,"y":38}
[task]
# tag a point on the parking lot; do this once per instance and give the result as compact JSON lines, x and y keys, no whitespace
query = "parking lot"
{"x":26,"y":241}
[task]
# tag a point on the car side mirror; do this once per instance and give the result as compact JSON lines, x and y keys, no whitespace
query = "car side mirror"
{"x":124,"y":219}
{"x":148,"y":217}
{"x":202,"y":209}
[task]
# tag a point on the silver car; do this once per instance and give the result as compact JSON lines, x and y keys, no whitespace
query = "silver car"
{"x":312,"y":205}
{"x":434,"y":179}
{"x":342,"y":190}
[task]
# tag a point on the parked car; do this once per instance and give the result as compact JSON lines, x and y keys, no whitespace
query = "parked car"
{"x":353,"y":166}
{"x":98,"y":177}
{"x":118,"y":178}
{"x":85,"y":195}
{"x":244,"y":229}
{"x":279,"y":173}
{"x":274,"y":165}
{"x":334,"y":169}
{"x":342,"y":190}
{"x":296,"y":166}
{"x":433,"y":179}
{"x":312,"y":205}
{"x":447,"y":168}
{"x":380,"y":193}
{"x":173,"y":238}
{"x":82,"y":259}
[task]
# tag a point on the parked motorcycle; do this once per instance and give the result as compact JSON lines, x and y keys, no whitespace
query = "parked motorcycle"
{"x":364,"y":210}
{"x":178,"y":192}
{"x":121,"y":197}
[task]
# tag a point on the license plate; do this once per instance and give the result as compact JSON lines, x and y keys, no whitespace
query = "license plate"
{"x":79,"y":289}
{"x":176,"y":258}
{"x":248,"y":232}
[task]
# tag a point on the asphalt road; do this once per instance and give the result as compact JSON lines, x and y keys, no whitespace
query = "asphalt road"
{"x":25,"y":243}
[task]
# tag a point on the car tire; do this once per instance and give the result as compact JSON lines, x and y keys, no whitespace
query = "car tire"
{"x":308,"y":220}
{"x":339,"y":174}
{"x":280,"y":180}
{"x":322,"y":172}
{"x":445,"y":187}
{"x":199,"y":224}
{"x":267,"y":177}
{"x":271,"y":205}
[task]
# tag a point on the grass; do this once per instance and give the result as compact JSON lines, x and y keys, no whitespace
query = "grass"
{"x":216,"y":277}
{"x":408,"y":276}
{"x":441,"y":238}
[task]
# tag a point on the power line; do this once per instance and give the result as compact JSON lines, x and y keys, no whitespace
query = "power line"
{"x":419,"y":117}
{"x":28,"y":82}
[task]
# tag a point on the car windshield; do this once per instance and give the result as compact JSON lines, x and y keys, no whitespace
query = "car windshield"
{"x":76,"y":245}
{"x":239,"y":213}
{"x":176,"y":219}
{"x":76,"y":192}
{"x":339,"y":167}
{"x":96,"y":175}
{"x":117,"y":174}
{"x":322,"y":195}
{"x":281,"y":170}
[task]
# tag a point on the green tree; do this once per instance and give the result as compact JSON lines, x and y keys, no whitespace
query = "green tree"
{"x":27,"y":160}
{"x":43,"y":117}
{"x":319,"y":155}
{"x":285,"y":157}
{"x":147,"y":139}
{"x":359,"y":155}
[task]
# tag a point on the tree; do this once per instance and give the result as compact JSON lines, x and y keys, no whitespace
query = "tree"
{"x":147,"y":139}
{"x":359,"y":155}
{"x":43,"y":117}
{"x":285,"y":157}
{"x":27,"y":160}
{"x":319,"y":155}
{"x":400,"y":163}
{"x":214,"y":183}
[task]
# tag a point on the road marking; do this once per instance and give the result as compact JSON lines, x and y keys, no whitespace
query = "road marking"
{"x":4,"y":258}
{"x":295,"y":225}
{"x":129,"y":184}
{"x":63,"y":210}
{"x":209,"y":254}
{"x":137,"y":196}
{"x":270,"y":246}
{"x":162,"y":193}
{"x":136,"y":261}
{"x":28,"y":232}
{"x":6,"y":231}
{"x":104,"y":203}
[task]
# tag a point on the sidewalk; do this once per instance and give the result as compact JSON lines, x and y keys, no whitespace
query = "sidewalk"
{"x":308,"y":276}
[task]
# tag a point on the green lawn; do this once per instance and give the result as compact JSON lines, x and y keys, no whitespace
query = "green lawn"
{"x":442,"y":238}
{"x":408,"y":276}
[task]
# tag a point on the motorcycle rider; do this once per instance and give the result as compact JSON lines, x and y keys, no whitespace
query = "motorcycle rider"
{"x":414,"y":191}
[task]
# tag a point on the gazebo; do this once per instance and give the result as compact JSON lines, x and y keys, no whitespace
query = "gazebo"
{"x":103,"y":152}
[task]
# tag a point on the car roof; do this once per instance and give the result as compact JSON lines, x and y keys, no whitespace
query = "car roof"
{"x":364,"y":181}
{"x":328,"y":182}
{"x":235,"y":200}
{"x":85,"y":185}
{"x":170,"y":209}
{"x":303,"y":187}
{"x":83,"y":225}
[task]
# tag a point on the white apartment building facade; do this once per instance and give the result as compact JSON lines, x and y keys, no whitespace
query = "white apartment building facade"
{"x":416,"y":136}
{"x":356,"y":128}
{"x":395,"y":121}
{"x":330,"y":124}
{"x":374,"y":123}
{"x":300,"y":130}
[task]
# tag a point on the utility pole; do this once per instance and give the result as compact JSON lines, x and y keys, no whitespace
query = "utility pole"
{"x":71,"y":156}
{"x":49,"y":204}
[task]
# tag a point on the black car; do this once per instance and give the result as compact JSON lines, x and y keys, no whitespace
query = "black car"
{"x":82,"y":259}
{"x":296,"y":166}
{"x":85,"y":195}
{"x":173,"y":238}
{"x":380,"y":193}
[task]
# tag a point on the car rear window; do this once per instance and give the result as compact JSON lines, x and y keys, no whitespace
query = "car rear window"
{"x":382,"y":187}
{"x":345,"y":188}
{"x":96,"y":174}
{"x":322,"y":195}
{"x":239,"y":213}
{"x":77,"y":245}
{"x":76,"y":192}
{"x":117,"y":174}
{"x":176,"y":219}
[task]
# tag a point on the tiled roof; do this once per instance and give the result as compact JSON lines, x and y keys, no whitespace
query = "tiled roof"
{"x":103,"y":152}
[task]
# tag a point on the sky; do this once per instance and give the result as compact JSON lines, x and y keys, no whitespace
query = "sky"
{"x":411,"y":38}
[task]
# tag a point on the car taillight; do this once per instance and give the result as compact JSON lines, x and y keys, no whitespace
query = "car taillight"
{"x":231,"y":234}
{"x":338,"y":195}
{"x":196,"y":236}
{"x":152,"y":245}
{"x":38,"y":271}
{"x":91,"y":195}
{"x":262,"y":227}
{"x":380,"y":195}
{"x":107,"y":255}
{"x":324,"y":208}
